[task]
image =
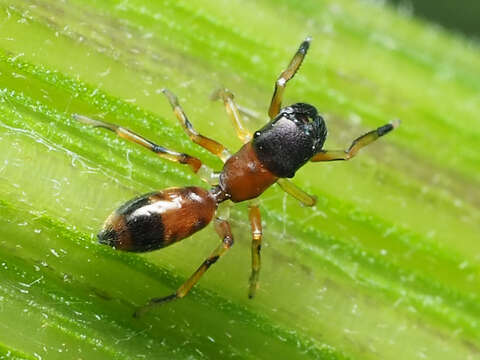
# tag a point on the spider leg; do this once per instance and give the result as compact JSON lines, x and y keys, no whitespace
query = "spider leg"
{"x":285,"y":76}
{"x":234,"y":112}
{"x":256,"y":226}
{"x":209,"y":144}
{"x":203,"y":171}
{"x":293,"y":190}
{"x":222,"y":227}
{"x":357,"y":144}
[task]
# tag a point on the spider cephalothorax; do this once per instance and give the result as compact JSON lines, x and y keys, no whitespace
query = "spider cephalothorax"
{"x":290,"y":140}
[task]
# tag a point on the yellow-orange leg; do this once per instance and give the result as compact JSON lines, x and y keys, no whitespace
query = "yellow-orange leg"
{"x":222,"y":228}
{"x":357,"y":144}
{"x":204,"y":172}
{"x":293,"y":190}
{"x":232,"y":110}
{"x":285,"y":76}
{"x":256,"y":226}
{"x":209,"y":144}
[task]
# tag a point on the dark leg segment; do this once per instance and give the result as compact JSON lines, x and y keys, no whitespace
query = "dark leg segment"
{"x":256,"y":225}
{"x":357,"y":144}
{"x":211,"y":145}
{"x":222,"y":228}
{"x":285,"y":76}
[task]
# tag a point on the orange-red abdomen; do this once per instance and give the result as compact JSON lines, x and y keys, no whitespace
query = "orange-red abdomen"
{"x":153,"y":221}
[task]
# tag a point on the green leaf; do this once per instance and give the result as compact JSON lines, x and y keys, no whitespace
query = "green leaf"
{"x":386,"y":265}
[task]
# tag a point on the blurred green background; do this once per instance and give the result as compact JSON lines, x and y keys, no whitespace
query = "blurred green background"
{"x":461,"y":16}
{"x":386,"y":266}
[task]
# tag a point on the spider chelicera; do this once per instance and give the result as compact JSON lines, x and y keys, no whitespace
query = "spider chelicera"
{"x":293,"y":137}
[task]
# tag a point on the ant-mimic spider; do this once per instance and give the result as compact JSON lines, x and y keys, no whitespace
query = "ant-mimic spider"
{"x":293,"y":137}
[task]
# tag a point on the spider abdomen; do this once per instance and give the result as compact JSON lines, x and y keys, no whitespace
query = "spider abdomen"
{"x":156,"y":220}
